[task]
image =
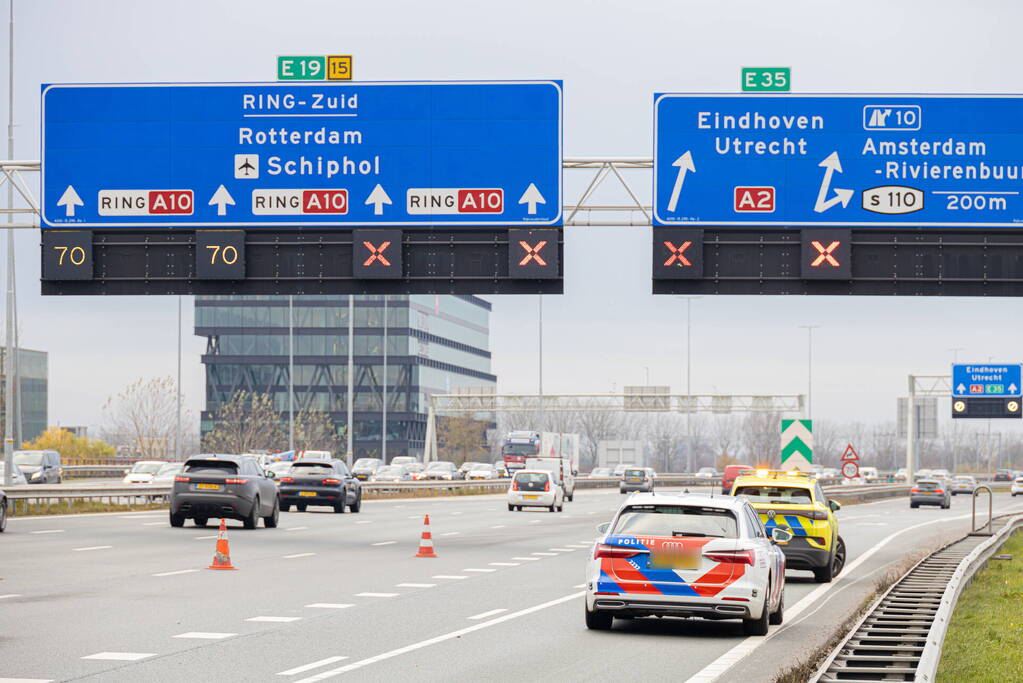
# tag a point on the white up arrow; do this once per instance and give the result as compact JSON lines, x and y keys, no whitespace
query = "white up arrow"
{"x":531,"y":197}
{"x":222,"y":198}
{"x":69,"y":200}
{"x":378,"y":197}
{"x":1012,"y":388}
{"x":831,"y":164}
{"x":961,"y":389}
{"x":683,"y":163}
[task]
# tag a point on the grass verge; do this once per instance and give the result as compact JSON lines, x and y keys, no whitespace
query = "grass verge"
{"x":985,"y":637}
{"x":72,"y":507}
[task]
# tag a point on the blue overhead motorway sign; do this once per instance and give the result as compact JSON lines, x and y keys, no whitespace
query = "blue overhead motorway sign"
{"x":991,"y":380}
{"x":316,"y":154}
{"x":840,"y":160}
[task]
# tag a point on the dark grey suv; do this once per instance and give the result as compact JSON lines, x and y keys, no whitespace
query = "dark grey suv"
{"x":231,"y":486}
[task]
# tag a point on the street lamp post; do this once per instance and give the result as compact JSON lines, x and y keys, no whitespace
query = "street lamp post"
{"x":689,"y":381}
{"x":809,"y":367}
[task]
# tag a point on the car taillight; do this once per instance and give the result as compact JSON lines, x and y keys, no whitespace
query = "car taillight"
{"x":817,"y":514}
{"x":546,"y":486}
{"x":939,"y":490}
{"x":515,"y":485}
{"x":735,"y":556}
{"x":331,"y":481}
{"x":914,"y":490}
{"x":286,"y":480}
{"x":180,"y":478}
{"x":613,"y":551}
{"x":234,"y":481}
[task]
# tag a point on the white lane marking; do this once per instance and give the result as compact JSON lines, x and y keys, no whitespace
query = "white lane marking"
{"x":484,"y":615}
{"x":535,"y":521}
{"x":92,"y":547}
{"x":121,"y":656}
{"x":10,"y":595}
{"x":412,"y":517}
{"x":49,"y":531}
{"x":295,"y":528}
{"x":310,"y":666}
{"x":453,"y":577}
{"x":26,"y":680}
{"x":722,"y":664}
{"x":499,"y":526}
{"x":592,"y":512}
{"x":504,"y":564}
{"x":562,"y":550}
{"x":451,"y":533}
{"x":330,"y":605}
{"x":456,"y":513}
{"x":545,"y":554}
{"x":439,"y":639}
{"x":155,"y":524}
{"x":579,"y":545}
{"x":292,"y":557}
{"x":276,"y":620}
{"x":204,"y":635}
{"x":143,"y":515}
{"x":365,"y":521}
{"x":205,"y":538}
{"x":384,"y":543}
{"x":849,"y":519}
{"x":416,"y":585}
{"x":180,"y":571}
{"x":528,"y":559}
{"x":873,"y":524}
{"x":376,"y":595}
{"x":471,"y":569}
{"x":581,"y":585}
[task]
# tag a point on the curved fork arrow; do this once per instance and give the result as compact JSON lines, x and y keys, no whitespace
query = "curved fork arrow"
{"x":831,"y":164}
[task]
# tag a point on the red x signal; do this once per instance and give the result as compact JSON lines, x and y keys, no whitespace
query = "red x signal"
{"x":677,"y":253}
{"x":376,"y":253}
{"x":824,"y":253}
{"x":533,"y":253}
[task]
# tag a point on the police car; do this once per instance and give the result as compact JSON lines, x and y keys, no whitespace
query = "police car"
{"x":686,"y":555}
{"x":795,"y":501}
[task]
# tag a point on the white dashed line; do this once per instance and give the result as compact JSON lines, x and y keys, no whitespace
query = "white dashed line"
{"x":180,"y":571}
{"x":453,"y":577}
{"x":412,"y":517}
{"x":484,"y":615}
{"x":295,"y":528}
{"x":155,"y":524}
{"x":416,"y":585}
{"x":205,"y":538}
{"x":121,"y":656}
{"x":504,"y":564}
{"x":472,"y":569}
{"x":581,"y":585}
{"x":26,"y":680}
{"x":54,"y":531}
{"x":456,"y":513}
{"x":580,"y":545}
{"x":545,"y":554}
{"x":10,"y":595}
{"x":499,"y":526}
{"x":276,"y":620}
{"x":365,"y":521}
{"x":451,"y":533}
{"x":535,"y":521}
{"x":330,"y":605}
{"x":92,"y":547}
{"x":563,"y":550}
{"x":292,"y":557}
{"x":528,"y":559}
{"x":384,"y":543}
{"x":376,"y":595}
{"x":204,"y":635}
{"x":311,"y":666}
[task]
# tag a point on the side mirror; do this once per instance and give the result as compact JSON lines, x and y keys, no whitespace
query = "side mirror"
{"x":781,"y":536}
{"x":271,"y":474}
{"x":602,"y":528}
{"x":834,"y":505}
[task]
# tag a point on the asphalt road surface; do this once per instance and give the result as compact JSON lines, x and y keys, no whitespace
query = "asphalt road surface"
{"x":125,"y":597}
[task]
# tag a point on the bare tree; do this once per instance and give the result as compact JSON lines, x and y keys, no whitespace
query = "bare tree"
{"x":725,"y":437}
{"x":245,"y":423}
{"x":596,"y":426}
{"x":143,"y":417}
{"x":314,"y":430}
{"x":461,"y":438}
{"x":761,"y":435}
{"x":827,"y":445}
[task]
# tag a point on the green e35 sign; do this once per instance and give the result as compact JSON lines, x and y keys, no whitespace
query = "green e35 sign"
{"x":766,"y":79}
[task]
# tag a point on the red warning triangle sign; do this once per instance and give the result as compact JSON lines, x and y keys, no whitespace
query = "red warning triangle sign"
{"x":850,"y":454}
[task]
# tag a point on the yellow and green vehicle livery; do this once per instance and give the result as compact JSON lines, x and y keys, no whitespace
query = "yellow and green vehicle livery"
{"x":795,"y":501}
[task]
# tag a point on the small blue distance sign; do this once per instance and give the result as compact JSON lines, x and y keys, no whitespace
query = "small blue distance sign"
{"x":838,"y":160}
{"x":302,"y":154}
{"x":994,"y":380}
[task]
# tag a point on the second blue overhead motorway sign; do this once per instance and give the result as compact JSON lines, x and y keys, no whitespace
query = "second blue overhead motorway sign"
{"x":318,"y":154}
{"x":843,"y":160}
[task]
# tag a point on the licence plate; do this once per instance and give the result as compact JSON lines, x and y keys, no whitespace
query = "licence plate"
{"x":530,"y":497}
{"x":634,"y":480}
{"x":208,"y":487}
{"x":307,"y":493}
{"x":686,"y":561}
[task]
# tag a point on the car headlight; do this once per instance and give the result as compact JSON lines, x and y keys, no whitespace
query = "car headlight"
{"x":36,"y":475}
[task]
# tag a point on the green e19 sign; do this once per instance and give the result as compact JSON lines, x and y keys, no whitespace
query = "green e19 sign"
{"x":766,"y":79}
{"x":301,"y":68}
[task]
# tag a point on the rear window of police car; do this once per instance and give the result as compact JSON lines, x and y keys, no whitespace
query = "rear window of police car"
{"x":676,"y":520}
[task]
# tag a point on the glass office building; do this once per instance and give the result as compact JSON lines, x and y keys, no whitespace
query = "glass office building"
{"x":435,"y":344}
{"x":32,"y":397}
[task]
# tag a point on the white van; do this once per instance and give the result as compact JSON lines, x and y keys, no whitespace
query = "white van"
{"x":561,"y":472}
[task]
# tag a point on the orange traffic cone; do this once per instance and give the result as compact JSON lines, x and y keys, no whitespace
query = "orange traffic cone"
{"x":426,"y":540}
{"x":222,"y":556}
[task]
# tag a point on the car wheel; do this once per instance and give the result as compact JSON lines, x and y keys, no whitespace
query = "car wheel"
{"x":3,"y":515}
{"x":838,"y":563}
{"x":339,"y":508}
{"x":598,"y":621}
{"x":778,"y":615}
{"x":177,"y":520}
{"x":300,"y":507}
{"x":252,"y":520}
{"x":285,"y":507}
{"x":561,"y":508}
{"x":571,"y":497}
{"x":270,"y":521}
{"x":511,"y":508}
{"x":551,"y":508}
{"x":825,"y":574}
{"x":757,"y":627}
{"x":201,"y":521}
{"x":914,"y":505}
{"x":357,"y":505}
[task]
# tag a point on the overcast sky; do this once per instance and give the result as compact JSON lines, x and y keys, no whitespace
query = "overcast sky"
{"x":607,"y":328}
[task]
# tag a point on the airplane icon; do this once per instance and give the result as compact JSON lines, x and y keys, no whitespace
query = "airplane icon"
{"x":246,"y":166}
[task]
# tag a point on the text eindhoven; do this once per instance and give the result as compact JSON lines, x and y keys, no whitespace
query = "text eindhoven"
{"x":320,"y":165}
